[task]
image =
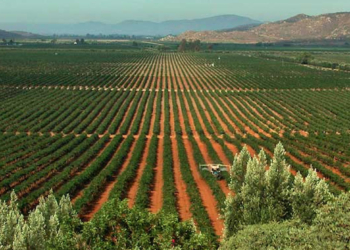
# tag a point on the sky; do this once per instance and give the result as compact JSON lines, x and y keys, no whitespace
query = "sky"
{"x":114,"y":11}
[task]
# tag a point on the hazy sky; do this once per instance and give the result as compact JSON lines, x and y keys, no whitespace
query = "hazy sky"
{"x":113,"y":11}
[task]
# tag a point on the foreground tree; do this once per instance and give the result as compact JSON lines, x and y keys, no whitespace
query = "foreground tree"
{"x":329,"y":230}
{"x":263,"y":196}
{"x":49,"y":226}
{"x":278,"y":186}
{"x":116,"y":226}
{"x":308,"y":195}
{"x":56,"y":226}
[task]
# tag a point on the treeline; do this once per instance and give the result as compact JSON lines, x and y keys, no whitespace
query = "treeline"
{"x":271,"y":209}
{"x":191,"y":46}
{"x":307,"y":58}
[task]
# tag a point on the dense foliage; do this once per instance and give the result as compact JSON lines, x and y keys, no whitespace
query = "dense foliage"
{"x":269,"y":210}
{"x":271,"y":196}
{"x":330,"y":230}
{"x":54,"y":225}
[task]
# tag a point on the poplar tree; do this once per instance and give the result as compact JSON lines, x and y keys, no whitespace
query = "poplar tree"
{"x":307,"y":196}
{"x":49,"y":226}
{"x":264,"y":196}
{"x":253,"y":190}
{"x":238,"y":170}
{"x":278,"y":186}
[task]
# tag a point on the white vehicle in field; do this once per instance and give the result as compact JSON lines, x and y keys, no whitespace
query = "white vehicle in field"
{"x":214,"y":169}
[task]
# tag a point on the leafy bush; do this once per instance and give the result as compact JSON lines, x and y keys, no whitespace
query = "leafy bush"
{"x":270,"y":196}
{"x":330,"y":230}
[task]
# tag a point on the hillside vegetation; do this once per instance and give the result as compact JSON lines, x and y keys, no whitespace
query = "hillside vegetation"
{"x":299,"y":28}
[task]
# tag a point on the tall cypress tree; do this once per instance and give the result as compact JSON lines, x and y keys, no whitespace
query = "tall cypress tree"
{"x":278,"y":186}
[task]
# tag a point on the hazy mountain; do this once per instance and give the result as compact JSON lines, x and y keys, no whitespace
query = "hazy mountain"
{"x":133,"y":27}
{"x":8,"y":35}
{"x":17,"y":35}
{"x":298,"y":28}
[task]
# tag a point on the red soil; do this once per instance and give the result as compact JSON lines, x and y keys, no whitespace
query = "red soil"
{"x":181,"y":117}
{"x":157,"y":193}
{"x":232,"y":147}
{"x":153,"y":114}
{"x":223,"y":124}
{"x":260,"y":130}
{"x":296,"y":160}
{"x":172,"y":119}
{"x":304,"y":133}
{"x":134,"y":115}
{"x":208,"y":160}
{"x":206,"y":194}
{"x":246,"y":128}
{"x":251,"y":150}
{"x":218,"y":149}
{"x":190,"y":118}
{"x":183,"y":200}
{"x":206,"y":133}
{"x":96,"y":206}
{"x":134,"y":187}
{"x":238,"y":131}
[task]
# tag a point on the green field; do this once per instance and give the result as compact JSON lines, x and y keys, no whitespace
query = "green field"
{"x":114,"y":121}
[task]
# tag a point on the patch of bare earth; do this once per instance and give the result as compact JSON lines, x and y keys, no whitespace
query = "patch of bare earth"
{"x":206,"y":193}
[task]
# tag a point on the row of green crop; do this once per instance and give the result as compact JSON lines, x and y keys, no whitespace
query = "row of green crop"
{"x":26,"y":168}
{"x":117,"y":120}
{"x":14,"y":161}
{"x":58,"y":172}
{"x":147,"y":179}
{"x":198,"y":210}
{"x":169,"y":189}
{"x":102,"y":113}
{"x":101,"y":171}
{"x":41,"y":71}
{"x":35,"y":174}
{"x":126,"y":178}
{"x":68,"y":181}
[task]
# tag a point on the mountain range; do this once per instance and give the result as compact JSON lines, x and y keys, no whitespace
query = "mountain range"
{"x":335,"y":26}
{"x":133,"y":27}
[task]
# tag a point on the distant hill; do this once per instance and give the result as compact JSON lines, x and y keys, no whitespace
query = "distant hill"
{"x":302,"y":27}
{"x":17,"y":35}
{"x":8,"y":35}
{"x":133,"y":27}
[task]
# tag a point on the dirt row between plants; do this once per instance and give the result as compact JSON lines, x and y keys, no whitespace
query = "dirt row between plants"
{"x":157,"y":192}
{"x":134,"y":187}
{"x":103,"y":198}
{"x":183,"y":200}
{"x":206,"y":193}
{"x":80,"y":193}
{"x":204,"y":150}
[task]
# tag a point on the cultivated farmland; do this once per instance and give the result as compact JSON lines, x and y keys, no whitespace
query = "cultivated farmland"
{"x":102,"y":124}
